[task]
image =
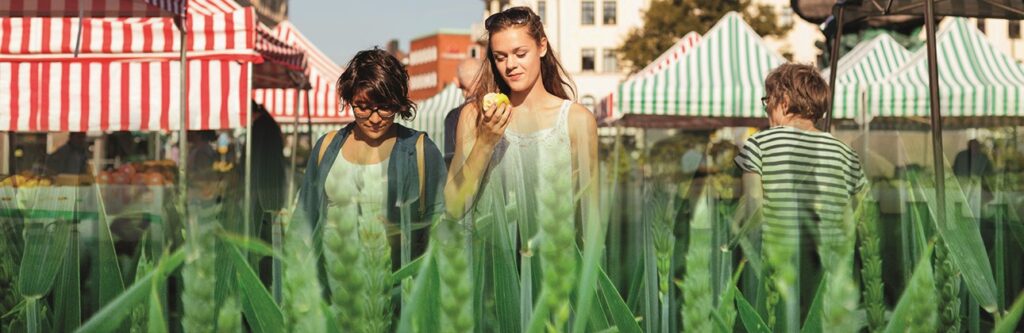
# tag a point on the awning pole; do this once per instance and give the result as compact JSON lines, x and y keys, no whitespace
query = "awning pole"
{"x":933,"y":87}
{"x":833,"y":63}
{"x":183,"y":125}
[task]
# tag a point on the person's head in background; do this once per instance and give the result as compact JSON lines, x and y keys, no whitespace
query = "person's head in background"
{"x":975,"y":146}
{"x":796,"y":95}
{"x":376,"y":86}
{"x":467,"y":73}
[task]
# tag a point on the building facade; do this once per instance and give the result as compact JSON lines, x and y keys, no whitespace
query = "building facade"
{"x":584,"y":35}
{"x":433,"y":61}
{"x":1005,"y":35}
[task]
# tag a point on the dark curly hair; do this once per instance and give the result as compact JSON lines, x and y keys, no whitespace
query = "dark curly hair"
{"x":375,"y":76}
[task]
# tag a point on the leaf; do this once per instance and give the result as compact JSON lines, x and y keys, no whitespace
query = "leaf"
{"x":813,"y":322}
{"x":110,"y":316}
{"x":963,"y":239}
{"x":259,"y":308}
{"x":407,"y":271}
{"x":728,"y":298}
{"x":68,"y":293}
{"x":921,"y":283}
{"x":748,"y":315}
{"x":422,"y":314}
{"x":623,"y":318}
{"x":45,"y":246}
{"x":720,"y":325}
{"x":110,"y":278}
{"x":250,"y":244}
{"x":1009,"y":322}
{"x":506,"y":282}
{"x":156,"y":323}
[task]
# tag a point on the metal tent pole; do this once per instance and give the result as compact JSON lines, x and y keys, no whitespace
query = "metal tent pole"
{"x":936,"y":117}
{"x":834,"y":62}
{"x":183,"y":123}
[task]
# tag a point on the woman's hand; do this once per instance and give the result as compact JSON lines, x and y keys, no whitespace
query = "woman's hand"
{"x":492,"y":123}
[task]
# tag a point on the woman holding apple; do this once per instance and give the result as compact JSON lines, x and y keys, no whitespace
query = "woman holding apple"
{"x":526,"y":156}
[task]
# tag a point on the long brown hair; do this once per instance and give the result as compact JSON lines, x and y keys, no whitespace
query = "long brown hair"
{"x":552,"y":74}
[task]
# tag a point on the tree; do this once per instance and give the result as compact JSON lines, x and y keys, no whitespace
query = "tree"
{"x":665,"y":21}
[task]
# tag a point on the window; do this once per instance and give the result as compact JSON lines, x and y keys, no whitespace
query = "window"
{"x":587,"y":59}
{"x":608,"y":12}
{"x":981,"y":25}
{"x":786,"y":16}
{"x":587,"y":11}
{"x":542,"y":11}
{"x":610,"y":62}
{"x":1014,"y":29}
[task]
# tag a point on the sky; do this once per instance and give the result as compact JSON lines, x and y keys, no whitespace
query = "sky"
{"x":340,"y":28}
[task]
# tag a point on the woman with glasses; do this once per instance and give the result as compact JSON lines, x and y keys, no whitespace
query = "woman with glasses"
{"x":528,"y":166}
{"x":372,"y":179}
{"x":803,"y":181}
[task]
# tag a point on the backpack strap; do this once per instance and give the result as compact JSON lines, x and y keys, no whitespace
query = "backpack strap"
{"x":323,"y":146}
{"x":420,"y":169}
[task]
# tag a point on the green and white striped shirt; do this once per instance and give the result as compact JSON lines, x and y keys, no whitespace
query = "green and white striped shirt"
{"x":808,"y":179}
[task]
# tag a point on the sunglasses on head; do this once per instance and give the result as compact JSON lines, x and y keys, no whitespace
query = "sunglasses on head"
{"x":511,"y":16}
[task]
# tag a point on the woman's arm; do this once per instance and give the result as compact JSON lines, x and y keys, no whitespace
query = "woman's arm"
{"x":477,"y":135}
{"x":583,"y":138}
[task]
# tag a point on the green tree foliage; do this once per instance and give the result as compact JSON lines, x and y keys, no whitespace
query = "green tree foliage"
{"x":665,"y":21}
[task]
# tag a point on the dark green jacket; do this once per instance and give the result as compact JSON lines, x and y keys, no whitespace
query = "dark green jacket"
{"x":403,"y":180}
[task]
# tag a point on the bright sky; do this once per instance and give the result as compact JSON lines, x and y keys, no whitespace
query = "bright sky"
{"x":341,"y":28}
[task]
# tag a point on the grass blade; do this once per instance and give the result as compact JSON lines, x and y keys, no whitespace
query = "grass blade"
{"x":68,"y":292}
{"x":727,"y":304}
{"x":916,"y":309}
{"x":45,"y":245}
{"x":506,"y":282}
{"x":748,"y":315}
{"x":257,"y":304}
{"x":421,"y":313}
{"x":813,"y":322}
{"x":111,"y":315}
{"x":1010,"y":320}
{"x":624,"y":319}
{"x":156,"y":322}
{"x":963,"y":239}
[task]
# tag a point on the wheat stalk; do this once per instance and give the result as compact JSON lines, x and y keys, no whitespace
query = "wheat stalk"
{"x":922,"y":317}
{"x":376,"y":300}
{"x":871,"y":270}
{"x":456,"y":278}
{"x":301,"y":287}
{"x":557,"y":241}
{"x":947,"y":280}
{"x":139,"y":314}
{"x":200,"y":280}
{"x":343,"y":262}
{"x":229,"y":320}
{"x":697,"y":303}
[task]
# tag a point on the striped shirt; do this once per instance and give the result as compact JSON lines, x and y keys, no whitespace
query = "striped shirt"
{"x":808,"y":179}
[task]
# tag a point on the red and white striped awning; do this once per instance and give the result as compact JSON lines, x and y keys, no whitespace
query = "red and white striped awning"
{"x":323,"y":103}
{"x":671,"y":55}
{"x":91,"y":8}
{"x":127,"y":76}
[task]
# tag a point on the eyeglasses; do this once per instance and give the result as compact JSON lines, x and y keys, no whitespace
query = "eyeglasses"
{"x":512,"y":16}
{"x":363,"y":111}
{"x":764,"y":101}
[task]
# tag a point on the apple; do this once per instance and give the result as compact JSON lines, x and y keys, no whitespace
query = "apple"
{"x":494,"y":99}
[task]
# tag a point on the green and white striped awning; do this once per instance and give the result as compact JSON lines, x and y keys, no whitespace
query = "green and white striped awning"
{"x":975,"y":79}
{"x":721,"y":77}
{"x":666,"y":59}
{"x":431,"y":112}
{"x":871,"y":61}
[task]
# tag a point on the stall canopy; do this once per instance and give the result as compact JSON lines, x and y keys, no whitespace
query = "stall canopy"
{"x":91,"y":8}
{"x":125,"y":75}
{"x":975,"y":80}
{"x":670,"y":56}
{"x":430,"y":113}
{"x":871,"y":61}
{"x":666,"y":59}
{"x":718,"y":82}
{"x":321,"y":99}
